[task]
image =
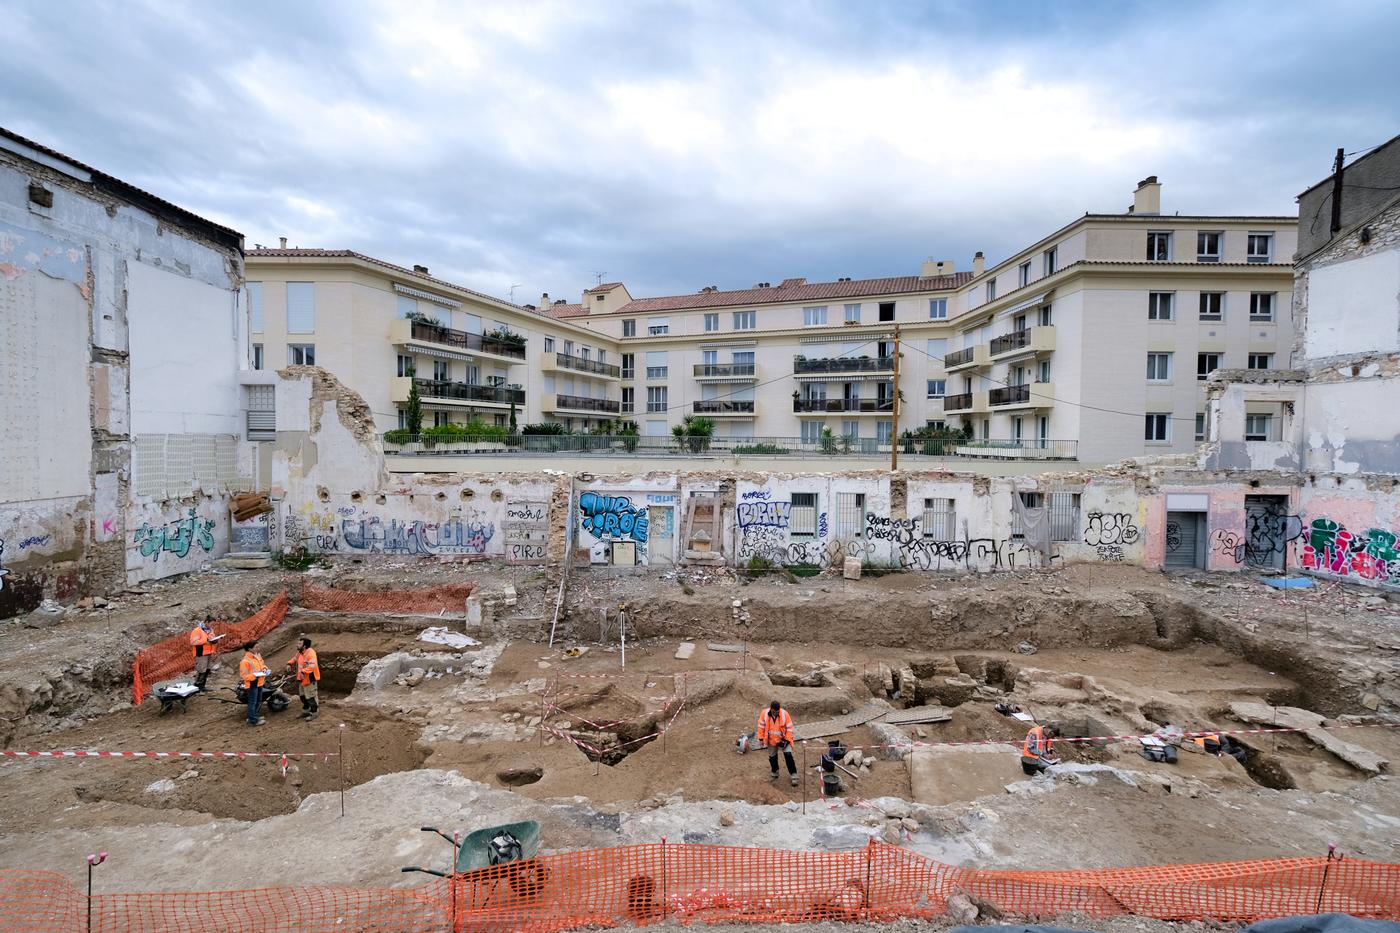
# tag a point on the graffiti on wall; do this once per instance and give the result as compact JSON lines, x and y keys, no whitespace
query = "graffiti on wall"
{"x":767,"y":513}
{"x":371,"y":533}
{"x":1108,"y":533}
{"x":612,"y":517}
{"x":1332,"y":548}
{"x":526,"y":532}
{"x":176,"y":537}
{"x":3,"y":572}
{"x":1229,"y":543}
{"x":1267,"y":534}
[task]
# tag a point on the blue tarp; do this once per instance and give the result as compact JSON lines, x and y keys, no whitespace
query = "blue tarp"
{"x":1288,"y":583}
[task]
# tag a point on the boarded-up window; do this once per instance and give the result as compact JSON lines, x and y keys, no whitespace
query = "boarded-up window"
{"x":802,"y":521}
{"x":301,"y":307}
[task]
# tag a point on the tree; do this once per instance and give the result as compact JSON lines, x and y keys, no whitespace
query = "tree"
{"x":512,"y":416}
{"x":414,"y":416}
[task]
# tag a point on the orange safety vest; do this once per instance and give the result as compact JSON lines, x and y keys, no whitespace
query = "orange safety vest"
{"x":1211,"y":737}
{"x":248,"y":668}
{"x":308,"y":669}
{"x":1037,"y":745}
{"x":199,"y":640}
{"x":773,"y":731}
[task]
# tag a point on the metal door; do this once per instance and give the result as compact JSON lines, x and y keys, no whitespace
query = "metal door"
{"x":1184,"y":547}
{"x":1267,"y":530}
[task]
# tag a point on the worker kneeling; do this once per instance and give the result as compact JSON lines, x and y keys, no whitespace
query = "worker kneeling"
{"x":775,"y":734}
{"x":1038,"y":752}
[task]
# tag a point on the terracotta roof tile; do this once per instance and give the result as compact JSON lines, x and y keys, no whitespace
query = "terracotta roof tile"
{"x":815,"y":291}
{"x":605,"y":287}
{"x":567,"y":311}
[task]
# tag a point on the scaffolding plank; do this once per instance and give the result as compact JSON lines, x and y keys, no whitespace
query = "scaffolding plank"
{"x":826,"y":727}
{"x":918,"y":714}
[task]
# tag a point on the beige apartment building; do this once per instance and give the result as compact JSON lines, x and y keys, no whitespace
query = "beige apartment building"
{"x":1093,"y":342}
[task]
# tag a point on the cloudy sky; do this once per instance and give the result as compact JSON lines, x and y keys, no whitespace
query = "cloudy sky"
{"x":678,"y":145}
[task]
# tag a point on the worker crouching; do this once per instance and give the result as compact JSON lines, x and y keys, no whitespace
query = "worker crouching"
{"x":1038,"y":751}
{"x":308,"y":675}
{"x":775,"y":734}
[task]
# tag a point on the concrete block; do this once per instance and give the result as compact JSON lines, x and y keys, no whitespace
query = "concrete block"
{"x":850,"y":569}
{"x":685,"y":650}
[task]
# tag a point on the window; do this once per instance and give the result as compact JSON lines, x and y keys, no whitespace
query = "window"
{"x":850,"y":430}
{"x":936,"y":387}
{"x":473,"y":323}
{"x":255,"y":307}
{"x":405,"y":367}
{"x":1043,"y":374}
{"x":1018,"y":323}
{"x":656,"y":429}
{"x":938,"y":309}
{"x":440,"y":418}
{"x":629,"y":365}
{"x":1017,"y":429}
{"x":407,"y":306}
{"x":403,"y":420}
{"x":1256,"y":427}
{"x":257,"y":356}
{"x":1206,"y":363}
{"x":1159,"y":247}
{"x":1261,"y":306}
{"x":1260,"y":248}
{"x":853,"y":313}
{"x":886,"y":310}
{"x":1207,"y":246}
{"x":937,"y":349}
{"x":1064,"y":516}
{"x":656,"y":398}
{"x":658,"y":326}
{"x":711,"y":322}
{"x":1212,"y":306}
{"x":884,"y":432}
{"x":811,"y":431}
{"x":814,"y":317}
{"x":301,"y":354}
{"x":441,"y":371}
{"x":1159,"y":367}
{"x":1261,"y":361}
{"x":568,"y":348}
{"x":1023,"y":274}
{"x":992,"y":290}
{"x":585,"y":353}
{"x":1159,"y":306}
{"x":936,"y":425}
{"x":745,"y":320}
{"x":629,"y":399}
{"x":629,"y":327}
{"x":850,"y":515}
{"x":1200,"y":426}
{"x":549,"y":344}
{"x":1158,"y":428}
{"x":602,"y":355}
{"x":1044,"y":317}
{"x":1050,"y":260}
{"x":301,"y":307}
{"x":656,"y":364}
{"x":802,"y":517}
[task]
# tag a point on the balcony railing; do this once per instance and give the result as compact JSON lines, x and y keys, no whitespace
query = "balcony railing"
{"x":1016,"y":340}
{"x":462,"y":340}
{"x":843,"y":404}
{"x":722,"y":370}
{"x":579,"y":364}
{"x":467,"y":392}
{"x":844,"y":364}
{"x":724,"y":407}
{"x":1007,"y":395}
{"x":958,"y":357}
{"x":580,"y":403}
{"x":960,"y":402}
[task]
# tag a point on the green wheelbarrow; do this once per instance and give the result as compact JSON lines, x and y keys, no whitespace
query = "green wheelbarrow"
{"x":498,"y":853}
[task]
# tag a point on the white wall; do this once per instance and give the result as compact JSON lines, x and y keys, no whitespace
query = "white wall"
{"x":1352,"y":306}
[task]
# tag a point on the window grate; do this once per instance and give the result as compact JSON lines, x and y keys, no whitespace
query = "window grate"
{"x":802,"y":518}
{"x":940,"y":519}
{"x":850,"y":515}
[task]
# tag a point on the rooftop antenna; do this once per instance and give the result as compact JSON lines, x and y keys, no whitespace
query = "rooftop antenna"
{"x":512,"y":292}
{"x":599,"y":277}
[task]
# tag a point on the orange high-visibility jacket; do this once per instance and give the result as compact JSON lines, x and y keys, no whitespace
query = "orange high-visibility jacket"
{"x":1037,"y":745}
{"x":199,"y":640}
{"x":308,"y":669}
{"x":1211,"y":737}
{"x":773,"y":731}
{"x":248,"y":668}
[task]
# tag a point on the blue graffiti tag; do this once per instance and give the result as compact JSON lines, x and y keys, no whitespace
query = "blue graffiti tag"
{"x":771,"y":514}
{"x":612,"y":517}
{"x":176,"y":537}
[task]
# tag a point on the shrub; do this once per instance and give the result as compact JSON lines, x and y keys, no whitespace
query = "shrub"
{"x":398,"y":436}
{"x":693,"y":433}
{"x":299,"y":558}
{"x":506,"y":335}
{"x":760,"y":448}
{"x":544,"y":427}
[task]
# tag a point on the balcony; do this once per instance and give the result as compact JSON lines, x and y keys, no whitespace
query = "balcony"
{"x":580,"y":404}
{"x":724,"y":408}
{"x":843,"y":366}
{"x":556,"y":362}
{"x":843,"y":406}
{"x":725,"y":372}
{"x":968,"y":358}
{"x":1034,"y":395}
{"x":965,"y":403}
{"x":1039,"y":339}
{"x":455,"y":394}
{"x":430,"y":337}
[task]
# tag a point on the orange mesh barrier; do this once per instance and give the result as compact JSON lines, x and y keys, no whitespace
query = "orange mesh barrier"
{"x":174,"y":655}
{"x":426,"y":601}
{"x":711,"y":884}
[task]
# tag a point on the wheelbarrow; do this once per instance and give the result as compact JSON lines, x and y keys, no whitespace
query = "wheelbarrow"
{"x":488,"y":856}
{"x":172,"y":694}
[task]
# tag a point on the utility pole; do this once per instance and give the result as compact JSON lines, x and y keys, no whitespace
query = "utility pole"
{"x":894,"y":433}
{"x":1337,"y":192}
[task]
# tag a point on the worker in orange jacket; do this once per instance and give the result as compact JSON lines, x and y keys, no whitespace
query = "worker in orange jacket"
{"x":1038,"y":751}
{"x":202,"y":643}
{"x":252,"y":670}
{"x":308,"y":673}
{"x":775,"y":733}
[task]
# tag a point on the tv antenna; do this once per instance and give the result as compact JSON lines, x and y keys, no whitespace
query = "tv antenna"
{"x":598,"y":276}
{"x":512,"y":292}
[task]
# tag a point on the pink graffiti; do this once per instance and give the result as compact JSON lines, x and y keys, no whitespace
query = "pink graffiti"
{"x":108,"y":526}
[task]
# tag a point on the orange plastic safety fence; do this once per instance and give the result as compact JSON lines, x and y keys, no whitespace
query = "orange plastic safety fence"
{"x":427,"y":600}
{"x":647,"y":883}
{"x":174,"y":655}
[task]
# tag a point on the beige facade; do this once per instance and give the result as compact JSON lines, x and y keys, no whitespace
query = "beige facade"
{"x":1092,"y":342}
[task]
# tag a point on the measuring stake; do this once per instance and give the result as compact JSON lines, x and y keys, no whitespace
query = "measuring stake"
{"x":340,"y":756}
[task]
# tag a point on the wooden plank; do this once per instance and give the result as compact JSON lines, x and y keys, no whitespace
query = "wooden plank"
{"x":826,"y":727}
{"x":918,"y":714}
{"x":724,"y":646}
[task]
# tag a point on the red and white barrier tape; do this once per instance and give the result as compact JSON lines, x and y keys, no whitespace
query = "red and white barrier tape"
{"x":80,"y":753}
{"x":551,"y":709}
{"x":601,"y":751}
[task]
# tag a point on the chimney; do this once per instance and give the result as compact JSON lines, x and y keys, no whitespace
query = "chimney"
{"x":934,"y":267}
{"x":283,"y":241}
{"x":421,"y":270}
{"x":979,"y":263}
{"x":544,"y":300}
{"x":1147,"y":199}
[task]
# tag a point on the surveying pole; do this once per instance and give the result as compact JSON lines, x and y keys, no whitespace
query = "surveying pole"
{"x":894,"y":433}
